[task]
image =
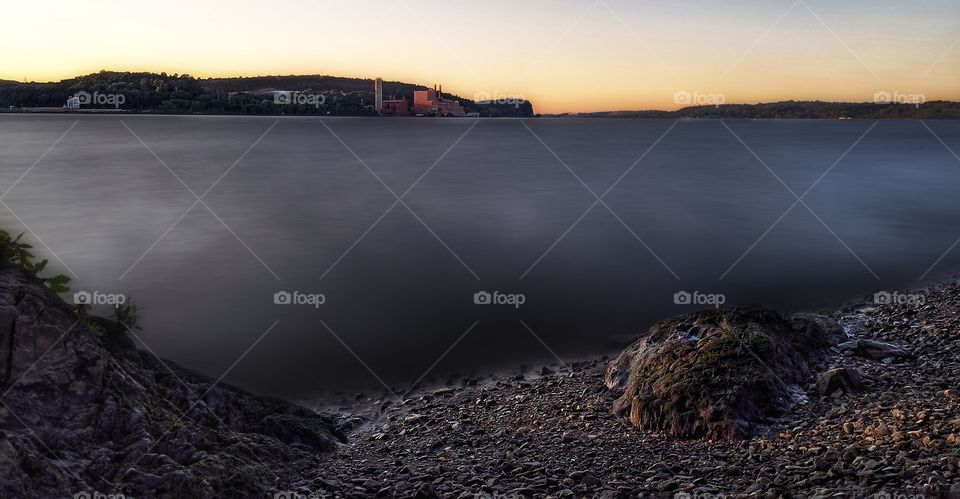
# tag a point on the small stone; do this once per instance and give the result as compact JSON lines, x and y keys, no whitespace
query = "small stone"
{"x":848,"y":428}
{"x":951,"y":394}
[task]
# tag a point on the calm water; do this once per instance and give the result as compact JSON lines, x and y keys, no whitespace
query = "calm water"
{"x":294,"y":207}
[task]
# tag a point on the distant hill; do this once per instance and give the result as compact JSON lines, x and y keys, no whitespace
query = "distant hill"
{"x":152,"y":92}
{"x":797,"y":110}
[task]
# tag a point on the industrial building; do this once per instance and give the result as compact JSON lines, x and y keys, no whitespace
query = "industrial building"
{"x":431,"y":103}
{"x":428,"y":102}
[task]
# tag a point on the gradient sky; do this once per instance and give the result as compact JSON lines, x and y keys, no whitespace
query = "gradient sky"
{"x":564,"y":55}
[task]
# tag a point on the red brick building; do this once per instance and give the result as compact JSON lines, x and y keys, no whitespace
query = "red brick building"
{"x":395,"y":107}
{"x":431,"y":103}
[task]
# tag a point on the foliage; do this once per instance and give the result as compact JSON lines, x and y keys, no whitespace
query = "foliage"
{"x":13,"y":251}
{"x":126,"y":314}
{"x":799,"y":110}
{"x":152,"y":92}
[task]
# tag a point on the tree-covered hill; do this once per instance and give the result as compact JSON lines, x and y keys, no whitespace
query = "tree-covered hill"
{"x":152,"y":92}
{"x":799,"y":110}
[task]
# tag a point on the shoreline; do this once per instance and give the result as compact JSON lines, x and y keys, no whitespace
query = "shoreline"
{"x":551,"y":430}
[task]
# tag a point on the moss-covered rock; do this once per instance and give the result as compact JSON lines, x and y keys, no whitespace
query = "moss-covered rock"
{"x":719,"y":374}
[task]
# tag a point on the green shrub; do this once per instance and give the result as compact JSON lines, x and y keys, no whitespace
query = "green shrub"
{"x":13,"y":251}
{"x":127,"y":315}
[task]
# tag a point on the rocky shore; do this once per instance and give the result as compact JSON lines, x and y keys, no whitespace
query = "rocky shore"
{"x":743,"y":402}
{"x":88,"y":415}
{"x":877,"y":414}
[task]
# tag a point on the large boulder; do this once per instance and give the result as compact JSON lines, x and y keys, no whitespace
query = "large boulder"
{"x":841,"y":379}
{"x":876,"y":350}
{"x":85,"y":413}
{"x":719,"y":374}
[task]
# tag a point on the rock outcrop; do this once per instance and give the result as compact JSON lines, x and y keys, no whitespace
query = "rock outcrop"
{"x":842,"y":379}
{"x":81,"y":413}
{"x":719,"y":374}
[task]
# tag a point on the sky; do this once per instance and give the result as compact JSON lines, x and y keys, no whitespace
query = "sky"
{"x":563,"y":55}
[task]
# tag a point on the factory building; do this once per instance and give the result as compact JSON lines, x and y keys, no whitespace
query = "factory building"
{"x":431,"y":103}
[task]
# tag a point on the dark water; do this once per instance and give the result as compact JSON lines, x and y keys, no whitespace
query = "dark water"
{"x":403,"y":295}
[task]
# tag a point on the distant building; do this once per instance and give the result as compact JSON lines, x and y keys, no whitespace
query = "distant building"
{"x":73,"y":103}
{"x":378,"y":92}
{"x":431,"y":103}
{"x":394,"y":107}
